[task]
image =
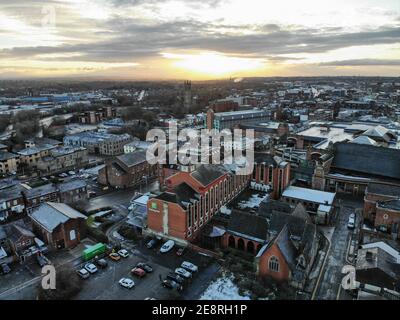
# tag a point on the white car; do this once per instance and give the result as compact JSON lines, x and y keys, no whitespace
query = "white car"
{"x":352,"y":221}
{"x":126,"y":283}
{"x":167,"y":246}
{"x":83,"y":273}
{"x":123,"y":253}
{"x":71,"y":173}
{"x":91,"y":267}
{"x":184,"y":273}
{"x":189,"y":266}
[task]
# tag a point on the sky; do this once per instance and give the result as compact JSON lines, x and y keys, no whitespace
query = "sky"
{"x":190,"y":39}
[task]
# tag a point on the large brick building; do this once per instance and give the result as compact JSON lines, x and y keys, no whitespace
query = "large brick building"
{"x":58,"y":225}
{"x":193,"y":196}
{"x":382,"y":206}
{"x":273,"y":171}
{"x":127,"y":170}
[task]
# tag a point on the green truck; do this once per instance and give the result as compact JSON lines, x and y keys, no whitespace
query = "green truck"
{"x":93,"y":251}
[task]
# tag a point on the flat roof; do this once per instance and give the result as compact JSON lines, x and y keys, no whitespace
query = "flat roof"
{"x":310,"y":195}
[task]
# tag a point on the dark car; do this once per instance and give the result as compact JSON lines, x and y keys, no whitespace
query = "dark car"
{"x":102,"y":263}
{"x":175,"y":277}
{"x":152,"y":243}
{"x":171,"y":285}
{"x":146,"y":267}
{"x":4,"y":268}
{"x":42,"y":261}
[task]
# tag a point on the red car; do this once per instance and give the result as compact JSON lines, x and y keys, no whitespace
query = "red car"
{"x":138,"y":272}
{"x":180,"y":251}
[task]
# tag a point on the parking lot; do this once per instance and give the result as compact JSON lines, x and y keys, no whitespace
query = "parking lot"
{"x":104,"y":284}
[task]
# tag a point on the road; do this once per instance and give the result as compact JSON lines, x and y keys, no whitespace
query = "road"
{"x":118,"y":197}
{"x":329,"y":285}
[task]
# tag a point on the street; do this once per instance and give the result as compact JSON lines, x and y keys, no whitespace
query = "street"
{"x":330,"y":282}
{"x":118,"y":197}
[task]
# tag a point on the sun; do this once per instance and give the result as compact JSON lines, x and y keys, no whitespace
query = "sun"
{"x":213,"y":63}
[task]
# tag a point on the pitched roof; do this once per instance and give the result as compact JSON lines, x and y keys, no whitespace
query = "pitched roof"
{"x":247,"y":224}
{"x":208,"y":173}
{"x":133,"y":158}
{"x":371,"y":160}
{"x":50,"y":214}
{"x":286,"y":247}
{"x":182,"y":194}
{"x":364,"y":140}
{"x":269,"y":206}
{"x":384,"y":189}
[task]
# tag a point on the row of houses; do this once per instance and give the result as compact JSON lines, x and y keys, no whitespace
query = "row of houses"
{"x":50,"y":226}
{"x":19,"y":199}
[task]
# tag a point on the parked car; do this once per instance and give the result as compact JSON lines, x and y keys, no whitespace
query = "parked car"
{"x":146,"y":267}
{"x":167,"y":246}
{"x":138,"y":272}
{"x":172,"y":285}
{"x":184,"y":273}
{"x":180,"y":251}
{"x":41,"y":260}
{"x":352,"y":221}
{"x":83,"y":273}
{"x":189,"y":266}
{"x":126,"y":283}
{"x":71,"y":173}
{"x":175,"y":277}
{"x":152,"y":243}
{"x":91,"y":267}
{"x":102,"y":263}
{"x":114,"y":256}
{"x":123,"y":253}
{"x":4,"y":268}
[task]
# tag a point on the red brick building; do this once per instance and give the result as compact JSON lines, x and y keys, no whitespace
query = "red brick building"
{"x":127,"y":170}
{"x":58,"y":225}
{"x":271,"y":170}
{"x":382,"y":206}
{"x":191,"y":200}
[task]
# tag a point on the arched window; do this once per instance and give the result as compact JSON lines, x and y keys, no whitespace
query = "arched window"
{"x":232,"y":242}
{"x":273,"y":264}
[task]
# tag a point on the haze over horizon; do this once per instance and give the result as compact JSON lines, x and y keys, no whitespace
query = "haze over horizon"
{"x":209,"y":39}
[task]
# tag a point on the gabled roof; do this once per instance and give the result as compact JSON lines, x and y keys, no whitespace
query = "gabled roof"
{"x":364,"y":140}
{"x":247,"y":224}
{"x":286,"y":247}
{"x":208,"y":173}
{"x":132,"y":159}
{"x":51,"y":214}
{"x":182,"y":194}
{"x":384,"y":189}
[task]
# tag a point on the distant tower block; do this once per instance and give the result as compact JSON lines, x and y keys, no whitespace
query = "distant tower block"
{"x":187,"y":96}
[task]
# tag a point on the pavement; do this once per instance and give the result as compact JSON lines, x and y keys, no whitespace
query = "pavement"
{"x":329,"y":286}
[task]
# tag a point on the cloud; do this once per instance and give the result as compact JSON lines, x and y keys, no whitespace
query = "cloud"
{"x":363,"y":62}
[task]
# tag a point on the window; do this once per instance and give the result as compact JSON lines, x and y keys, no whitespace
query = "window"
{"x":273,"y":264}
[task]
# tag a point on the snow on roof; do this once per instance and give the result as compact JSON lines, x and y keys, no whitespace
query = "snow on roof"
{"x":364,"y":140}
{"x":309,"y":195}
{"x":3,"y":253}
{"x":324,"y":208}
{"x":385,"y":247}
